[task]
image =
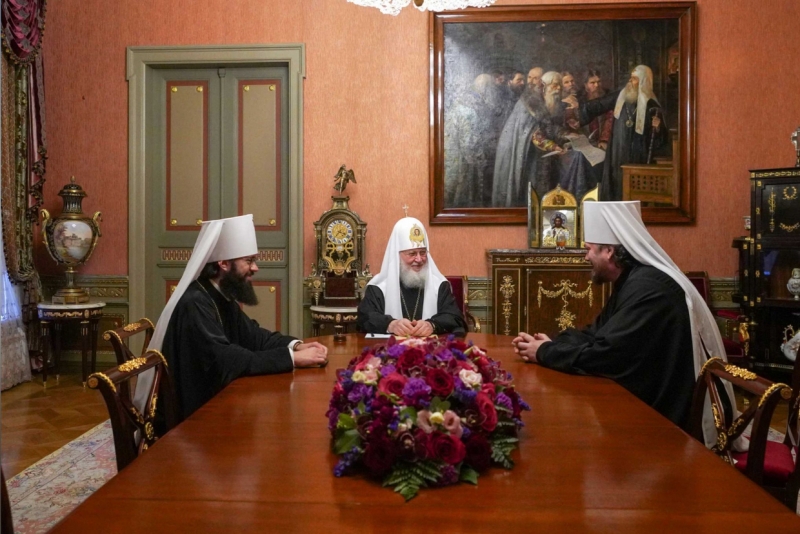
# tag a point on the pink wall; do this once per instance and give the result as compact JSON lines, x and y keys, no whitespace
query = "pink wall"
{"x":366,"y":105}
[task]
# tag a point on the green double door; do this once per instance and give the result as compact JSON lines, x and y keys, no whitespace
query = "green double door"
{"x":217,"y":146}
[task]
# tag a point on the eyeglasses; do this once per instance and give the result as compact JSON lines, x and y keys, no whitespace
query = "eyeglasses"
{"x":423,"y":254}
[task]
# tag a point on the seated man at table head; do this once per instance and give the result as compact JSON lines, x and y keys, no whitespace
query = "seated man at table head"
{"x":204,"y":334}
{"x":652,"y":334}
{"x":409,"y":297}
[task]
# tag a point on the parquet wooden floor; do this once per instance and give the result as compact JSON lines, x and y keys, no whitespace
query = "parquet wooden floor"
{"x":37,"y":421}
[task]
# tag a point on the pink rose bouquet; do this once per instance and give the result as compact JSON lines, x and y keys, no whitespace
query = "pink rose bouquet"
{"x":424,"y":412}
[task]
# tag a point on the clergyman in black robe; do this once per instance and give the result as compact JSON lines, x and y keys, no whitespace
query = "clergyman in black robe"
{"x":210,"y":342}
{"x":409,"y":297}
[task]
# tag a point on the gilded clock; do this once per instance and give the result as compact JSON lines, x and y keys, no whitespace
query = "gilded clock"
{"x":339,"y":231}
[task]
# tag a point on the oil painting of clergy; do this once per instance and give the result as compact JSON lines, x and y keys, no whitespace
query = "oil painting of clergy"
{"x":525,"y":103}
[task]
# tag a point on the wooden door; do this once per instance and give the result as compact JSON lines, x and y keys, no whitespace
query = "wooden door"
{"x":217,"y":146}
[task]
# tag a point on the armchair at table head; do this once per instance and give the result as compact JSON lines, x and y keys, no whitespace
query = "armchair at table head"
{"x":766,"y":463}
{"x":118,"y":336}
{"x":460,"y":292}
{"x":734,"y":351}
{"x":134,"y":430}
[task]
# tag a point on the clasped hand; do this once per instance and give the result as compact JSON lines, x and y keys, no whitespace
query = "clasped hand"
{"x":310,"y":354}
{"x":527,"y":345}
{"x":404,"y":327}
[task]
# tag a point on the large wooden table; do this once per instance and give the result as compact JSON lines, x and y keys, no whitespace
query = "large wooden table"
{"x":592,"y":458}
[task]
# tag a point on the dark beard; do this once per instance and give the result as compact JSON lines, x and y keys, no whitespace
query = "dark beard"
{"x":238,"y":288}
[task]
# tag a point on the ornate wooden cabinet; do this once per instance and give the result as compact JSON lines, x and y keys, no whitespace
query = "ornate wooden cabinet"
{"x":766,"y":260}
{"x":543,"y":290}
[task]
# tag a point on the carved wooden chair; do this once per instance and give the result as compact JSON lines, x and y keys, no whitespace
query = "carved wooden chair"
{"x":135,"y":430}
{"x":6,"y":521}
{"x":764,"y":462}
{"x":734,"y":351}
{"x":119,"y":336}
{"x":459,"y":286}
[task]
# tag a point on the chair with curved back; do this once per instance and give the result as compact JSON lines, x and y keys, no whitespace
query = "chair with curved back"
{"x":459,"y":286}
{"x":765,"y":462}
{"x":119,"y":336}
{"x":733,"y":350}
{"x":135,"y":430}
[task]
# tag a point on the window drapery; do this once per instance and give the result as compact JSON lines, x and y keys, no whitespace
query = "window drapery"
{"x":23,"y":148}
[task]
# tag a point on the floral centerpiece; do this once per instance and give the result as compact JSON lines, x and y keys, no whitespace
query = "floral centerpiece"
{"x":424,"y":412}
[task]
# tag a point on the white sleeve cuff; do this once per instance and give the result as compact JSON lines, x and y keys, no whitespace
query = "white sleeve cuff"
{"x":292,"y":345}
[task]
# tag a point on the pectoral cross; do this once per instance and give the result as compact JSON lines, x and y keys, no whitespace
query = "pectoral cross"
{"x":405,"y":206}
{"x":795,"y":136}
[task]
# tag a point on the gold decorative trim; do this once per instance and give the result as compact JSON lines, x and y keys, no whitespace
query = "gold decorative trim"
{"x":507,"y":289}
{"x":130,"y":365}
{"x":771,"y":203}
{"x":708,"y":362}
{"x":773,"y":174}
{"x":158,"y":352}
{"x":741,"y":373}
{"x":92,"y":381}
{"x":787,"y":195}
{"x":184,"y":254}
{"x":787,"y":228}
{"x":131,"y":327}
{"x":148,"y":321}
{"x":786,"y":392}
{"x":556,"y":259}
{"x":108,"y":333}
{"x":565,"y":318}
{"x":153,"y":406}
{"x":506,"y":260}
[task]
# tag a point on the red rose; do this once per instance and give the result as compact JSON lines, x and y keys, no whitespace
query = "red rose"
{"x":379,"y":455}
{"x":487,"y":411}
{"x":458,"y":344}
{"x":448,"y":448}
{"x":440,"y":381}
{"x":489,"y":390}
{"x":412,"y":357}
{"x":424,"y":444}
{"x":393,"y":383}
{"x":516,"y":406}
{"x":479,"y":452}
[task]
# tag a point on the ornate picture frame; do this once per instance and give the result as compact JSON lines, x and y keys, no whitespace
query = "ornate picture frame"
{"x":474,"y":48}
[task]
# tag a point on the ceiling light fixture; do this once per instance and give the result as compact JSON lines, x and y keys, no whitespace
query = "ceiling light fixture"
{"x":393,"y":7}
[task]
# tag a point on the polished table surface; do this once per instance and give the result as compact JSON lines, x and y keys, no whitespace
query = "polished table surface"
{"x":592,"y":457}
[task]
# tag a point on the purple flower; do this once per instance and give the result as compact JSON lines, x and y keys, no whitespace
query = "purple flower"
{"x":416,"y":390}
{"x":465,"y":396}
{"x":503,"y":400}
{"x":444,"y":354}
{"x":396,"y":350}
{"x":388,"y":369}
{"x":359,"y":392}
{"x":347,"y":460}
{"x":449,"y":476}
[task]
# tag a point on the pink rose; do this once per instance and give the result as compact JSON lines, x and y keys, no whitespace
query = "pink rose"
{"x":453,"y":424}
{"x":424,"y":421}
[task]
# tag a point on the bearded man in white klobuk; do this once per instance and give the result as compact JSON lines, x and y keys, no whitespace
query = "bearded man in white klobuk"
{"x":207,"y":339}
{"x":409,"y":297}
{"x":639,"y":132}
{"x":655,"y":332}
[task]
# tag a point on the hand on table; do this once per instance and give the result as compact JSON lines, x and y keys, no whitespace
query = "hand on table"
{"x":401,"y":327}
{"x":422,"y":328}
{"x":527,"y":345}
{"x":311,"y":354}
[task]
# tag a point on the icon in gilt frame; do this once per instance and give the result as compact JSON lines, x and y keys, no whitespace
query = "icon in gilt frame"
{"x":559,"y":220}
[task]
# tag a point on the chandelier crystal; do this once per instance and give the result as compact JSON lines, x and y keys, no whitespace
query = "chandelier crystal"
{"x":393,"y":7}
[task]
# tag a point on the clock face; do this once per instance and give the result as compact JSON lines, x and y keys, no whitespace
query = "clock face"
{"x":339,"y":231}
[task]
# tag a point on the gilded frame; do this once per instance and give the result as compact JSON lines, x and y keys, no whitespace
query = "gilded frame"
{"x":684,"y":14}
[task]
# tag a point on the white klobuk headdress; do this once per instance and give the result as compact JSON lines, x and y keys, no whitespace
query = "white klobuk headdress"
{"x":645,"y":76}
{"x":408,"y":234}
{"x":620,"y":223}
{"x":223,"y":239}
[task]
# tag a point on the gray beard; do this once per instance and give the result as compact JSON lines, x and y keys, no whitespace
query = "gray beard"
{"x":411,"y":278}
{"x":631,"y":95}
{"x":553,"y":102}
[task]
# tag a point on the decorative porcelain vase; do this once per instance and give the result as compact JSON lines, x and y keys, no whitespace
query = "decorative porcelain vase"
{"x":794,"y":284}
{"x":70,"y":239}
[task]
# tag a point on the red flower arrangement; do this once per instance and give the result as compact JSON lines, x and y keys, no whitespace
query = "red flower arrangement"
{"x":424,"y":412}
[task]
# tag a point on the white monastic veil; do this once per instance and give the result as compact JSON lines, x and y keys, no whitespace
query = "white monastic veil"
{"x":645,"y":76}
{"x":388,"y":280}
{"x":204,"y":247}
{"x":624,"y":221}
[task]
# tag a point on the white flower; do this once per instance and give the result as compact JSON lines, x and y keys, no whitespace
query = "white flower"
{"x":470,"y":378}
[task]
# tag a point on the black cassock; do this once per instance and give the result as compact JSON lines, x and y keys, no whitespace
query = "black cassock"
{"x":204,"y":356}
{"x":448,"y":319}
{"x":642,"y":340}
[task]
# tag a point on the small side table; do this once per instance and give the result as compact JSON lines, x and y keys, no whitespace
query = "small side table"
{"x":53,"y":316}
{"x":340,"y":318}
